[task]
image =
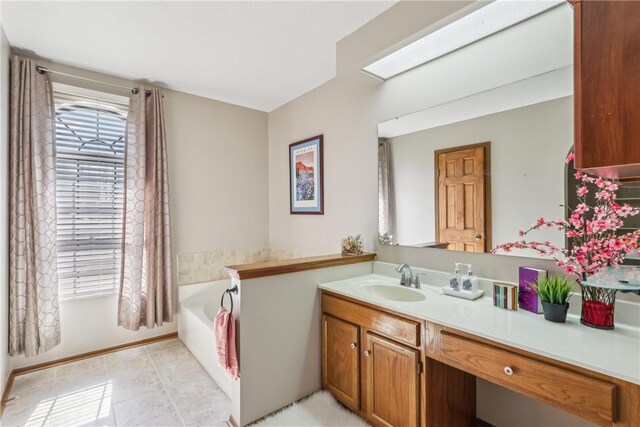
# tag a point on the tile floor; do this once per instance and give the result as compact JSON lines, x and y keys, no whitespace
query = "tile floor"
{"x":159,"y":384}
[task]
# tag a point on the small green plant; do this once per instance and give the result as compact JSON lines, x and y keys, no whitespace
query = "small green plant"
{"x":554,"y":289}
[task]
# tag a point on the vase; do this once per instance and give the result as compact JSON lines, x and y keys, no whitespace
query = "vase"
{"x":555,"y":312}
{"x":597,"y":307}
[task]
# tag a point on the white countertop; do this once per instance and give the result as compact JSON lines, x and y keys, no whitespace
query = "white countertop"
{"x":612,"y":352}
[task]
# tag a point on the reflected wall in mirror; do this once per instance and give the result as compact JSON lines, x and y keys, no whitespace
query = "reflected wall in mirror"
{"x":467,"y":173}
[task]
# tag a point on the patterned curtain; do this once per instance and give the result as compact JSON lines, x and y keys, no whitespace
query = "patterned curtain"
{"x":386,"y":197}
{"x":34,"y":321}
{"x":146,"y":294}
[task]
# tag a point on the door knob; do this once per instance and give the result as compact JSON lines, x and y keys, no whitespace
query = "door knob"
{"x":478,"y":236}
{"x":508,"y":370}
{"x":366,"y":353}
{"x":353,"y":345}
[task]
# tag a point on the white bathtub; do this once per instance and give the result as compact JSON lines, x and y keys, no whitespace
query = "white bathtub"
{"x":199,"y":304}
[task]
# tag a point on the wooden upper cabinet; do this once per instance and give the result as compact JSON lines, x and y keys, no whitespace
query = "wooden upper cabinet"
{"x":391,"y":383}
{"x":607,"y":87}
{"x":340,"y":360}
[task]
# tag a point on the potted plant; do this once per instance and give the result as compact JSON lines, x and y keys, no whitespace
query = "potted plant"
{"x":554,"y":292}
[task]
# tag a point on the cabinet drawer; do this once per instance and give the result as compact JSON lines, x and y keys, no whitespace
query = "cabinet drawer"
{"x":584,"y":396}
{"x":397,"y":328}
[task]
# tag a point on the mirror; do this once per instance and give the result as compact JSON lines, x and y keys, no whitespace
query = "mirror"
{"x":467,"y":173}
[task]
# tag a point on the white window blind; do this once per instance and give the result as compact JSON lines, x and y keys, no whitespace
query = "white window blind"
{"x":90,"y":148}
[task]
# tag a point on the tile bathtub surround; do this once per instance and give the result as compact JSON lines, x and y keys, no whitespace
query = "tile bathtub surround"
{"x":209,"y":266}
{"x":160,"y":384}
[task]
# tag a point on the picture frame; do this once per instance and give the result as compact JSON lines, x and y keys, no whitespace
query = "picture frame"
{"x":306,"y":177}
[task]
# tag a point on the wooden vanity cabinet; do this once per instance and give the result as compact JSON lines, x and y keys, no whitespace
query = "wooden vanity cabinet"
{"x":371,"y":361}
{"x":391,"y":379}
{"x":374,"y":363}
{"x":341,"y":360}
{"x":606,"y":80}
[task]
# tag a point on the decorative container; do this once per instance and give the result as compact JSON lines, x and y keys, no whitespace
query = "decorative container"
{"x":599,"y":294}
{"x":598,"y":306}
{"x":555,"y":312}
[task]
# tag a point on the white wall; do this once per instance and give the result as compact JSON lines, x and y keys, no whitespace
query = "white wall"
{"x":347,"y":110}
{"x":218,"y":190}
{"x":528,"y":148}
{"x":5,"y":363}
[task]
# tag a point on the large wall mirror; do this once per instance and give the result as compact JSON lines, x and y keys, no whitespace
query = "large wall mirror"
{"x":485,"y":158}
{"x":468,"y":173}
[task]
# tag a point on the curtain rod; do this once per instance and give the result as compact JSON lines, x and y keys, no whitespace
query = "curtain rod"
{"x":134,"y":90}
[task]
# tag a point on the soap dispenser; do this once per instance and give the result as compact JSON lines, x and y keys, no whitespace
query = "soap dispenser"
{"x":454,"y":281}
{"x":469,"y":281}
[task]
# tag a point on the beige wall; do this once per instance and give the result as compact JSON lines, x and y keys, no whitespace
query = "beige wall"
{"x":347,"y":110}
{"x":218,"y":189}
{"x":5,"y":363}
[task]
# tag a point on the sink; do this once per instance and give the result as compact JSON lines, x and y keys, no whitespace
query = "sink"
{"x":393,"y":292}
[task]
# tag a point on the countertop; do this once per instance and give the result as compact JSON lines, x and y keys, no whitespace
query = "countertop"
{"x":611,"y":352}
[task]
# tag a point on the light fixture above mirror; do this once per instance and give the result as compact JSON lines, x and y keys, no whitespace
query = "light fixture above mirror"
{"x":496,"y":16}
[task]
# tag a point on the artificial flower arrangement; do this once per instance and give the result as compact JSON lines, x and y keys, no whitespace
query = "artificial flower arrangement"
{"x":593,"y":231}
{"x":352,"y":245}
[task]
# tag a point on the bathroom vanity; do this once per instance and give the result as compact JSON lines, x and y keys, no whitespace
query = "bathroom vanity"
{"x":401,"y":360}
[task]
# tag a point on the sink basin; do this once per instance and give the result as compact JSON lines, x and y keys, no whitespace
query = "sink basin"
{"x":393,"y":293}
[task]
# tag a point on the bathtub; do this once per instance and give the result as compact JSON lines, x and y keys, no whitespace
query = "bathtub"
{"x":199,"y":304}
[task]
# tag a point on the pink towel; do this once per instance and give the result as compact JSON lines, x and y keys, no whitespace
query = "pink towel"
{"x":225,"y":328}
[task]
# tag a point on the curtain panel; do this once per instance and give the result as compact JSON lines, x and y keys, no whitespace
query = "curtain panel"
{"x":386,"y":194}
{"x":146,"y":294}
{"x":34,"y":320}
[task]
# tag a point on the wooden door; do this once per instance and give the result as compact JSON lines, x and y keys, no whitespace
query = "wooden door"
{"x":461,"y":197}
{"x":340,"y":360}
{"x":391,"y":382}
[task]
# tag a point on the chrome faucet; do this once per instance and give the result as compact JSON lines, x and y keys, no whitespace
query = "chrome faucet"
{"x":408,"y":281}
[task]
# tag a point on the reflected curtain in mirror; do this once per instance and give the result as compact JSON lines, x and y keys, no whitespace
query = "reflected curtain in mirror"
{"x":386,"y":197}
{"x":34,"y":320}
{"x":146,"y":294}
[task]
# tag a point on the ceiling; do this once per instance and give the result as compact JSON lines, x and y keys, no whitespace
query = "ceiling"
{"x":257,"y":54}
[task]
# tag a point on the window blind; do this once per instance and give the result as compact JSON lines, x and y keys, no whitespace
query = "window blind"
{"x":90,"y":148}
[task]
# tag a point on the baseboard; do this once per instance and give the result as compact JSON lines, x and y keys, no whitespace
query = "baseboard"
{"x":65,"y":360}
{"x":45,"y":365}
{"x":231,"y":422}
{"x":482,"y":423}
{"x":7,"y":390}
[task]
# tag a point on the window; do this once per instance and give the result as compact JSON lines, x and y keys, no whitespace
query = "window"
{"x":90,"y":148}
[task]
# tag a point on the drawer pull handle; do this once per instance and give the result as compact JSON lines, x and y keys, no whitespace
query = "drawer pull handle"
{"x":366,"y":353}
{"x":508,"y":370}
{"x":353,"y":345}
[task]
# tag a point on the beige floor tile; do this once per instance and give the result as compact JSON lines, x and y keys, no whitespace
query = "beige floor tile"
{"x":128,"y":362}
{"x":128,"y":386}
{"x":161,"y":384}
{"x":212,"y":410}
{"x":136,"y":411}
{"x":76,"y":376}
{"x":170,"y":419}
{"x":36,"y":385}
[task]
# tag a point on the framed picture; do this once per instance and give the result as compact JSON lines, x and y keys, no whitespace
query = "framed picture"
{"x":306,"y":192}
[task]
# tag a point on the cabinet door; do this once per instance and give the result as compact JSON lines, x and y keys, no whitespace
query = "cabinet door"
{"x":340,"y":361}
{"x":607,"y":77}
{"x":391,"y":382}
